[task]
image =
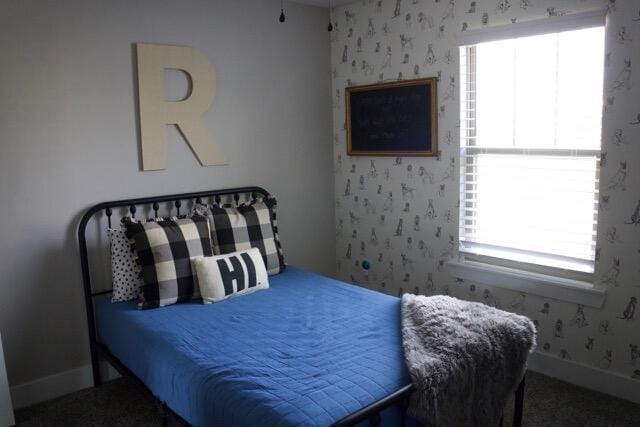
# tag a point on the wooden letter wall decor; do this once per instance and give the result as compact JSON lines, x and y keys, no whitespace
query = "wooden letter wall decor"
{"x":187,"y":114}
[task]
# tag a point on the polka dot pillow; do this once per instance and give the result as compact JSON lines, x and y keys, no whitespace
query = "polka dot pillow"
{"x":125,"y":271}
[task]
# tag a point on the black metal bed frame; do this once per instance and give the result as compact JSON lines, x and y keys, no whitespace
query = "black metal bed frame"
{"x":97,"y":349}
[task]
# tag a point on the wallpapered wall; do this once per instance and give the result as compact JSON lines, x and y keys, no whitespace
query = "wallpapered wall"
{"x":401,"y":213}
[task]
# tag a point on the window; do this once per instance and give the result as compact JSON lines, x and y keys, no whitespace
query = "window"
{"x":531,"y":113}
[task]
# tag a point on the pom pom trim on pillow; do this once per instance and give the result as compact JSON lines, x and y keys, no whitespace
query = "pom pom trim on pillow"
{"x":164,"y":249}
{"x":252,"y":225}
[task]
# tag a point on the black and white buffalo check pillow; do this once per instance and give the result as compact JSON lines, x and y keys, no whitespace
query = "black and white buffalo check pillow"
{"x":244,"y":227}
{"x":164,"y":250}
{"x":224,"y":276}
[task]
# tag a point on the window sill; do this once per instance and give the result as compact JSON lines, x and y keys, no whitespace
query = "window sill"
{"x":524,"y":281}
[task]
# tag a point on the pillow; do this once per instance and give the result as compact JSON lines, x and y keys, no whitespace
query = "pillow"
{"x":164,"y":249}
{"x":245,"y":227}
{"x":224,"y":276}
{"x":125,"y":272}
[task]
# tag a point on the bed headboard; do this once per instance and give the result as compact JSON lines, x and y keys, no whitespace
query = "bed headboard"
{"x":152,"y":205}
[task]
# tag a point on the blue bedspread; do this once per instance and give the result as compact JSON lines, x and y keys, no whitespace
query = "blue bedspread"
{"x":308,"y":351}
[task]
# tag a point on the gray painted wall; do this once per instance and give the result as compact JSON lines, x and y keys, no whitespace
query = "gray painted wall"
{"x":69,"y":140}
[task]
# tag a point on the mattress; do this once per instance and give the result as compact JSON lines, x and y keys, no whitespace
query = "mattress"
{"x":307,"y":351}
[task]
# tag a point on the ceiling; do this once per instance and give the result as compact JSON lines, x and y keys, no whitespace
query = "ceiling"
{"x":325,"y":3}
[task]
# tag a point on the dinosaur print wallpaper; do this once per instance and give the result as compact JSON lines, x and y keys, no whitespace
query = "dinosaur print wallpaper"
{"x":401,"y":214}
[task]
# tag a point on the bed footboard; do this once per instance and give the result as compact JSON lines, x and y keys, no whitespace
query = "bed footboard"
{"x":372,"y":412}
{"x":401,"y":397}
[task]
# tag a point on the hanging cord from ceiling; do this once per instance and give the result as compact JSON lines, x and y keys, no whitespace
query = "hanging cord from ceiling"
{"x":283,"y":18}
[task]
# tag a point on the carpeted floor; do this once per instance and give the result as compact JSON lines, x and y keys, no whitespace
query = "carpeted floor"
{"x":548,"y":402}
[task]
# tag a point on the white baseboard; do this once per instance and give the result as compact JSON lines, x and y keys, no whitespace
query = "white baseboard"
{"x":590,"y":377}
{"x":51,"y":386}
{"x":586,"y":376}
{"x":56,"y":385}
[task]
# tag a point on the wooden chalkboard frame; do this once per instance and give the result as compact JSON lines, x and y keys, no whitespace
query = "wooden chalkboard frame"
{"x":432,"y":122}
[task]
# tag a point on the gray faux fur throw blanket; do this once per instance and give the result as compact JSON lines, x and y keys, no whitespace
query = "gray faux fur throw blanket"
{"x":464,"y":358}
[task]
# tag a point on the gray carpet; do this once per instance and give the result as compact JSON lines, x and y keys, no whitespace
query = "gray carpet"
{"x":548,"y":402}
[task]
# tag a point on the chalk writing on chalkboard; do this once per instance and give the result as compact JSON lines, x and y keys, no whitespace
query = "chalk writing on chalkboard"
{"x":392,"y":119}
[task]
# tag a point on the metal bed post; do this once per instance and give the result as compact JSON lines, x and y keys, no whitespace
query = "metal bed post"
{"x":88,"y":297}
{"x":518,"y":409}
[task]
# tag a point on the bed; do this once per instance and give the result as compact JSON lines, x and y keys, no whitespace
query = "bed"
{"x":308,"y":351}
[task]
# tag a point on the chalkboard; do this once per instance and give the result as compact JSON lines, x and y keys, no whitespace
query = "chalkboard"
{"x":392,"y":119}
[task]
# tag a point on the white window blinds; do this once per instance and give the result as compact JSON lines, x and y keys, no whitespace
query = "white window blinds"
{"x":531,"y":113}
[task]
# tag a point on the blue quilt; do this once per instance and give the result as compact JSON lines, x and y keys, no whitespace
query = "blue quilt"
{"x":308,"y":351}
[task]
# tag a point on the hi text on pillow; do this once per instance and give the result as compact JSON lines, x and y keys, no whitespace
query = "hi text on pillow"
{"x":234,"y":274}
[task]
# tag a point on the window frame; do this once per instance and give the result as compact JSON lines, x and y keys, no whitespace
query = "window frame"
{"x":568,"y":283}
